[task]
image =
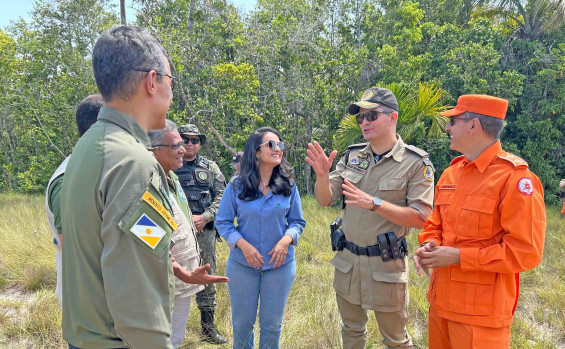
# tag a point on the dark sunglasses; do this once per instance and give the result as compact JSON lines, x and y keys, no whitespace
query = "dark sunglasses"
{"x":174,"y":147}
{"x":161,"y":74}
{"x":371,"y":115}
{"x":191,"y":140}
{"x":272,"y":145}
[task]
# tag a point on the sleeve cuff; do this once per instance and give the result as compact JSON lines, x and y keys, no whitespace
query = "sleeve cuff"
{"x":233,"y":238}
{"x":294,"y":235}
{"x":469,"y":258}
{"x":208,"y":217}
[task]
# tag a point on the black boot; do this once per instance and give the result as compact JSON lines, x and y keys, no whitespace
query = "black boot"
{"x":209,"y":330}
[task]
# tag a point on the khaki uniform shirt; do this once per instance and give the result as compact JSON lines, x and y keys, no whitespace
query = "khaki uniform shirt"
{"x":402,"y":178}
{"x":118,"y":278}
{"x":185,"y":249}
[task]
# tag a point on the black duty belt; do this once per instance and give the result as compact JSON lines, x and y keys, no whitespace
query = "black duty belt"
{"x":389,"y":247}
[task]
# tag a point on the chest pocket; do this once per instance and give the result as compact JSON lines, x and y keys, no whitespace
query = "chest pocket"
{"x":393,"y":190}
{"x":352,"y":175}
{"x":476,"y":217}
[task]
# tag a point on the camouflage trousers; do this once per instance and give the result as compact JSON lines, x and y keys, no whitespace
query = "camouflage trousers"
{"x":206,"y":299}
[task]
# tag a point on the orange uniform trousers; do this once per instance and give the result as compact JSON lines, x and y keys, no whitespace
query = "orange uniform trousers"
{"x":447,"y":334}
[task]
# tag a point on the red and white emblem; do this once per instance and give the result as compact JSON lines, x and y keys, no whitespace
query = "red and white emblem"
{"x":525,"y":186}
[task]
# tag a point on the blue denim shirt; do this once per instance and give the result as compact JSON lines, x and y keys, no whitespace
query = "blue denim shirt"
{"x":262,"y":222}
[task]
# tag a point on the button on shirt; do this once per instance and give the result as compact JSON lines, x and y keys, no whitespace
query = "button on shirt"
{"x":261,"y":222}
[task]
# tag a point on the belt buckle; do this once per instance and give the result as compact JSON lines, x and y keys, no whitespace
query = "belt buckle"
{"x":363,"y":250}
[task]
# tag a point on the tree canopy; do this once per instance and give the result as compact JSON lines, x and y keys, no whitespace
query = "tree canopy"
{"x":295,"y":65}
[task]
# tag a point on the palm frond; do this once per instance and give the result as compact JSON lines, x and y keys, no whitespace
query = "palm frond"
{"x":348,"y":132}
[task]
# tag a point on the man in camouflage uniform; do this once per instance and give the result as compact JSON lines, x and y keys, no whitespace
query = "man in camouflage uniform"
{"x":203,"y":184}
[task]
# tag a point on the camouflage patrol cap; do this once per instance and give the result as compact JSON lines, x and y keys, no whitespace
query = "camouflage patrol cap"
{"x":375,"y":97}
{"x":192,"y":130}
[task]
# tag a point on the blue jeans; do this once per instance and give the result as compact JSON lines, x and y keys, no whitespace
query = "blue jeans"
{"x":247,"y":287}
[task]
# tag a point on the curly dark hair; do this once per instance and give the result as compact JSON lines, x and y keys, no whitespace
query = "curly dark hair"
{"x":248,"y":179}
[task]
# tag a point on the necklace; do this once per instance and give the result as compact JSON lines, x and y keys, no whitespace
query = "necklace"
{"x":263,"y":184}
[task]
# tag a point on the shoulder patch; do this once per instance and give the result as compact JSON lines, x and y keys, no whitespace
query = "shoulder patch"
{"x":156,"y":205}
{"x":456,"y":160}
{"x":515,"y":160}
{"x":525,"y":186}
{"x":148,"y":231}
{"x":417,"y":150}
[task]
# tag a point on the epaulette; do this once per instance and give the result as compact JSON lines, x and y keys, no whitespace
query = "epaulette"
{"x":456,"y":160}
{"x":513,"y":159}
{"x":350,"y":148}
{"x":358,"y":145}
{"x":417,"y":150}
{"x":423,"y":154}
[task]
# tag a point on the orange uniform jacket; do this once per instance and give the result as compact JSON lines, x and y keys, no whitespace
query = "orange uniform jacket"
{"x":492,"y":209}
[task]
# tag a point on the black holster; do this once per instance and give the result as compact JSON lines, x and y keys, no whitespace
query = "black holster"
{"x":392,"y":248}
{"x":336,"y":235}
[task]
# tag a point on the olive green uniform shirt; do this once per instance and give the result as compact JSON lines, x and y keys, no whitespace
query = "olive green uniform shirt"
{"x":54,"y":201}
{"x":402,"y":178}
{"x":118,"y":279}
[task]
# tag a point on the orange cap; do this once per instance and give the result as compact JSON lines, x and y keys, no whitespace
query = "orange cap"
{"x":480,"y":104}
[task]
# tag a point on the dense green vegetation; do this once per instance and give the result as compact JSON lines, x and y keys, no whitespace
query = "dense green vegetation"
{"x":295,"y":65}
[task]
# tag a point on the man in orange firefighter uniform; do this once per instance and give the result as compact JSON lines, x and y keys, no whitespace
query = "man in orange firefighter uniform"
{"x":487,"y":226}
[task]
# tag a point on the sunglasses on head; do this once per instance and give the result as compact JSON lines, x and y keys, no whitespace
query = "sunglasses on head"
{"x":272,"y":145}
{"x":371,"y":115}
{"x":191,"y":140}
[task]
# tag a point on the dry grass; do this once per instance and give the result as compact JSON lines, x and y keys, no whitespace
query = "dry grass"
{"x":30,"y":316}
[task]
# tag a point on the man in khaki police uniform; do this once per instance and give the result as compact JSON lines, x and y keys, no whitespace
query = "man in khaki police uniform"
{"x":118,"y":278}
{"x":389,"y":188}
{"x":168,"y":148}
{"x":203,"y":184}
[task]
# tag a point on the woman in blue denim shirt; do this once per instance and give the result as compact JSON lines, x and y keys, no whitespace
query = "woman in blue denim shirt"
{"x":261,"y":265}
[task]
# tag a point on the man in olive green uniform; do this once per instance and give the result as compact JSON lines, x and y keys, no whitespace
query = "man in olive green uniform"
{"x":86,"y":114}
{"x":118,"y":277}
{"x":388,"y":188}
{"x":203,"y":184}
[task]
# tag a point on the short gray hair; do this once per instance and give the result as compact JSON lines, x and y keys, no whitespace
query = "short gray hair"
{"x":117,"y":53}
{"x":491,"y":125}
{"x":156,"y":136}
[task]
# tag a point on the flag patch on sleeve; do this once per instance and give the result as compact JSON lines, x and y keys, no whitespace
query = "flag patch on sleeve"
{"x":148,"y":231}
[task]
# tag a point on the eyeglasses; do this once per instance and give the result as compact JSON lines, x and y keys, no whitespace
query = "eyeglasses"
{"x":161,"y":74}
{"x":272,"y":145}
{"x":191,"y":140}
{"x":371,"y":115}
{"x":174,"y":147}
{"x":452,"y":120}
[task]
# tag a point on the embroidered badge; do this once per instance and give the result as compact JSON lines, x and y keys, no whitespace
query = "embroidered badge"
{"x":525,"y":186}
{"x":429,"y":173}
{"x":362,"y":155}
{"x":447,"y":187}
{"x":181,"y":194}
{"x":148,"y":231}
{"x":364,"y":164}
{"x":203,"y":176}
{"x":366,"y":95}
{"x":354,"y":161}
{"x":156,"y":205}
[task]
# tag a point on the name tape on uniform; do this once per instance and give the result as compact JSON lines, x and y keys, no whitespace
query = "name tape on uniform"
{"x":148,"y":231}
{"x":153,"y":202}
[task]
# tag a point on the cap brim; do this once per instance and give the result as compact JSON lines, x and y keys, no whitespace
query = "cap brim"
{"x":354,"y":108}
{"x":452,"y":112}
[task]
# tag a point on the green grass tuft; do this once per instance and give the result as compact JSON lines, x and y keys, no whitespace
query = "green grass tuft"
{"x":30,"y":315}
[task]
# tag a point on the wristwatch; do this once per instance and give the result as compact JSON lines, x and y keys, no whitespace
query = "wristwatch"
{"x":377,"y":202}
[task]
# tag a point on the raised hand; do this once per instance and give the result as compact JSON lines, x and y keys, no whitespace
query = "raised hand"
{"x":321,"y":164}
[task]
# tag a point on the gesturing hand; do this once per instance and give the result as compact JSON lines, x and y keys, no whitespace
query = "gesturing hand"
{"x":279,"y":251}
{"x":252,"y":256}
{"x":356,"y":196}
{"x":320,"y":163}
